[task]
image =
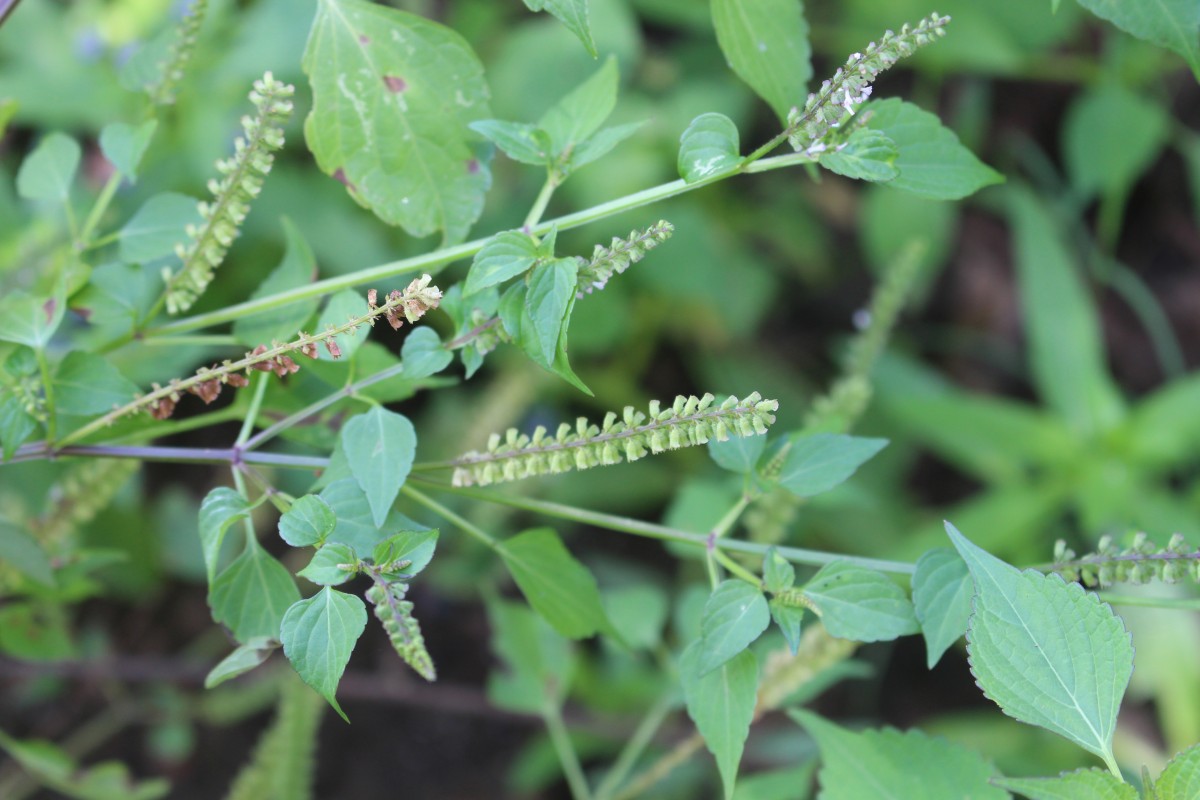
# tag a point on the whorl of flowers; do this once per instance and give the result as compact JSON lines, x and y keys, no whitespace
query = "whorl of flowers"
{"x":593,"y":275}
{"x":242,"y":177}
{"x":1141,"y":562}
{"x":840,"y":96}
{"x":162,"y":91}
{"x":686,"y":422}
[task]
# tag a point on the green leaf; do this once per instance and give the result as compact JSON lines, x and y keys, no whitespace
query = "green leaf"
{"x":778,"y":573}
{"x":1048,"y":653}
{"x":766,"y":44}
{"x":155,"y":228}
{"x":1066,"y":347}
{"x":108,"y":780}
{"x":35,"y":632}
{"x":297,"y":268}
{"x":867,"y":155}
{"x":561,"y":366}
{"x":788,"y":783}
{"x":1094,"y":784}
{"x":22,"y":552}
{"x":942,"y":591}
{"x":124,"y":145}
{"x":600,"y":143}
{"x":721,"y":703}
{"x":393,"y":94}
{"x":557,"y":585}
{"x":551,"y":288}
{"x":318,"y":635}
{"x":1173,"y":24}
{"x":308,"y":522}
{"x":505,"y":255}
{"x":16,"y":425}
{"x":932,"y":162}
{"x":582,"y":111}
{"x":8,"y":110}
{"x":737,"y":453}
{"x":424,"y":354}
{"x":708,"y":146}
{"x":818,"y":462}
{"x":85,"y":383}
{"x":220,"y":508}
{"x":538,"y":660}
{"x":860,"y":604}
{"x":519,"y":141}
{"x":788,"y":619}
{"x":735,"y":615}
{"x":355,"y":523}
{"x":571,"y":13}
{"x":512,"y":308}
{"x":251,"y":595}
{"x":380,"y":446}
{"x":341,"y":307}
{"x":638,"y":612}
{"x":245,"y":658}
{"x":415,"y":546}
{"x":890,"y":765}
{"x":29,"y":320}
{"x":1110,"y":136}
{"x":47,"y":172}
{"x":324,"y":568}
{"x":1180,"y":780}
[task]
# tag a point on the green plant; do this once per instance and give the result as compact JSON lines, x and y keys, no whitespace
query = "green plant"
{"x":400,"y":120}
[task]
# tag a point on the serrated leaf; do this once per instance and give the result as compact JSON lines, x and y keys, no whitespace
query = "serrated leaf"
{"x":251,"y":595}
{"x":47,"y":172}
{"x":155,"y":228}
{"x":309,"y":521}
{"x":551,"y":288}
{"x":318,"y":636}
{"x":737,"y":453}
{"x":931,"y":161}
{"x":29,"y":320}
{"x":124,"y":145}
{"x":1110,"y":136}
{"x":941,"y":590}
{"x":1048,"y":653}
{"x":558,"y":586}
{"x":297,"y":268}
{"x":860,"y":604}
{"x":393,"y":94}
{"x":735,"y":615}
{"x":245,"y":658}
{"x":424,"y":354}
{"x":1066,"y":346}
{"x":788,"y":619}
{"x":519,"y":141}
{"x":85,"y":383}
{"x":1180,"y":779}
{"x":891,"y":765}
{"x":708,"y":146}
{"x":1094,"y":784}
{"x":505,"y":255}
{"x":341,"y":307}
{"x":818,"y":462}
{"x":1173,"y":24}
{"x":571,"y":13}
{"x":16,"y":425}
{"x":23,"y":553}
{"x":721,"y":703}
{"x":766,"y":44}
{"x":380,"y":446}
{"x":324,"y":569}
{"x":867,"y":155}
{"x":415,"y":546}
{"x":582,"y":111}
{"x":220,"y":508}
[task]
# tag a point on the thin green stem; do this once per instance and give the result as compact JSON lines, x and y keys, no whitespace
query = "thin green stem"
{"x":543,"y":199}
{"x":731,"y":517}
{"x":83,"y":241}
{"x":48,"y":389}
{"x":736,"y":568}
{"x":633,"y":749}
{"x":466,"y":525}
{"x":650,"y":530}
{"x":1176,"y":603}
{"x":260,"y":389}
{"x":201,"y":340}
{"x":1111,"y":763}
{"x":561,"y":739}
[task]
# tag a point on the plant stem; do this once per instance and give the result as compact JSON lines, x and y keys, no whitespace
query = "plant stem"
{"x":561,"y":739}
{"x":736,"y":568}
{"x":543,"y":199}
{"x":48,"y":388}
{"x":648,"y":529}
{"x":448,"y":515}
{"x":731,"y":517}
{"x":636,"y":745}
{"x":1177,"y":603}
{"x":260,"y":388}
{"x":174,"y":455}
{"x":83,"y":241}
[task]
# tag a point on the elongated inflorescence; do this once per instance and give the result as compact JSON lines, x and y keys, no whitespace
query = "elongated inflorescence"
{"x":839,"y":97}
{"x":242,"y":177}
{"x":162,"y":91}
{"x":686,"y":422}
{"x":403,"y":630}
{"x":1141,"y":562}
{"x":620,"y":253}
